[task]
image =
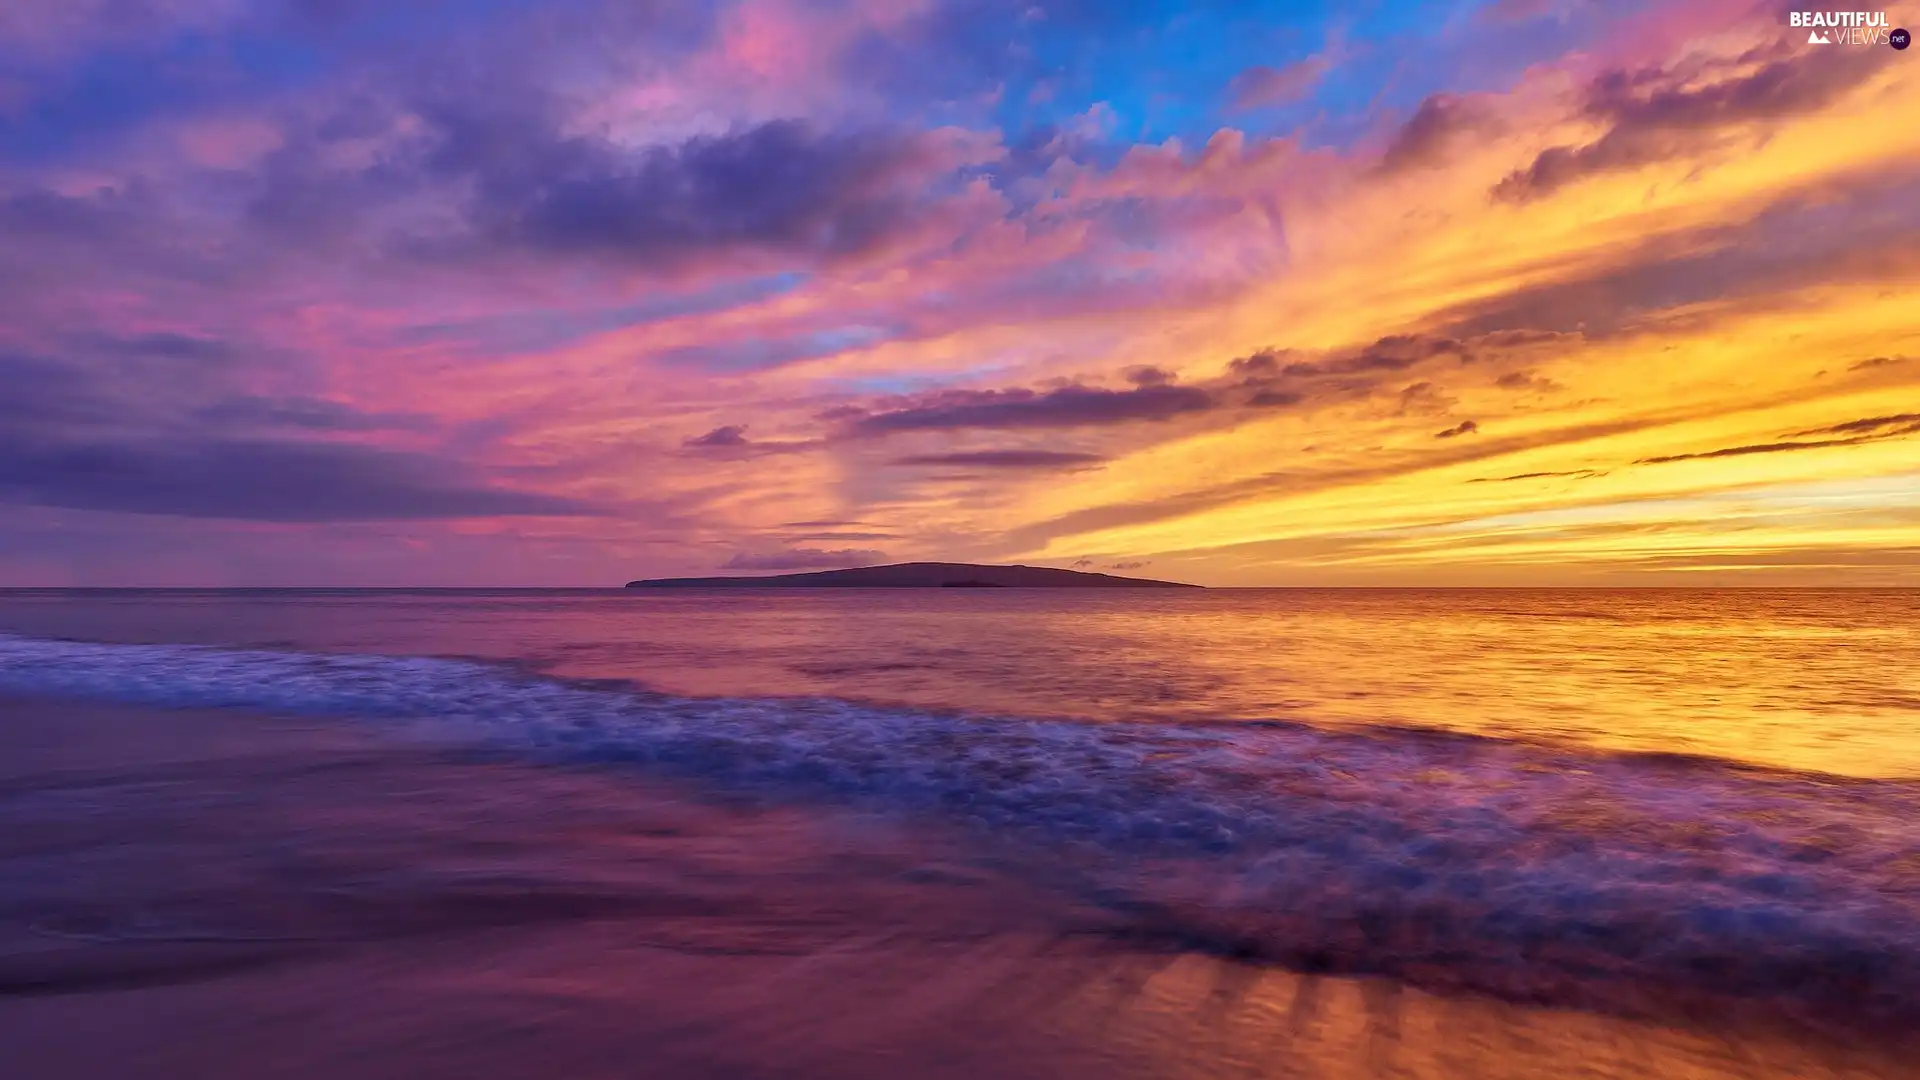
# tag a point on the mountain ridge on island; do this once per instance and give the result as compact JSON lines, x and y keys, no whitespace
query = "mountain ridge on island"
{"x":919,"y":575}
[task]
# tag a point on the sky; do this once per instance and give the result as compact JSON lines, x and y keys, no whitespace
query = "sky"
{"x":567,"y":292}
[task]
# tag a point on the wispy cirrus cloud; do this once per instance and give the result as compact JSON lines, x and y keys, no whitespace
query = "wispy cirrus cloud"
{"x":1656,"y":114}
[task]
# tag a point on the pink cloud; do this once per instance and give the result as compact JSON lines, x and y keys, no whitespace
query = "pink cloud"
{"x":1261,"y":86}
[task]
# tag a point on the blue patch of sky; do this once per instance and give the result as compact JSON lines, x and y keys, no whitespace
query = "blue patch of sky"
{"x":1164,"y":68}
{"x":1161,"y":69}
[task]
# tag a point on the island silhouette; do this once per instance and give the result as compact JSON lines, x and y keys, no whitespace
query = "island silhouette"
{"x":919,"y":575}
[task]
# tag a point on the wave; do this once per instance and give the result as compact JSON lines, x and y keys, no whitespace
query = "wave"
{"x":1529,"y":871}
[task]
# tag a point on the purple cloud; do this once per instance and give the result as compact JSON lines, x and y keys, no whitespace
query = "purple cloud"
{"x":257,"y":480}
{"x":309,"y":414}
{"x":1422,"y":142}
{"x":785,"y":186}
{"x":1657,"y":114}
{"x":731,"y":440}
{"x":1262,"y":86}
{"x":1070,"y":406}
{"x":729,"y":435}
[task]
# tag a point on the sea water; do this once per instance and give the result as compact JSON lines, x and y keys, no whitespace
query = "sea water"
{"x":1581,"y":795}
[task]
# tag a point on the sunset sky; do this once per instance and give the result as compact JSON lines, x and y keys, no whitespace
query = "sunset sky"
{"x":566,"y":292}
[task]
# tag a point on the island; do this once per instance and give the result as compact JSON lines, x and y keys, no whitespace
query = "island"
{"x":919,"y":575}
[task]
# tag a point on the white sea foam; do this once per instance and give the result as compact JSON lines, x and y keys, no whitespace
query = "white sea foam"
{"x":1497,"y":865}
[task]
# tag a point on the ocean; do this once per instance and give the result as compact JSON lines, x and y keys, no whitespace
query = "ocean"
{"x":1825,"y":682}
{"x":1599,"y":799}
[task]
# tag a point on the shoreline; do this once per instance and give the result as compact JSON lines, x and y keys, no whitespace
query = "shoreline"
{"x":225,"y":893}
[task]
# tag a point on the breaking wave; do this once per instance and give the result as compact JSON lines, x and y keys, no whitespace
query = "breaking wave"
{"x":1525,"y":870}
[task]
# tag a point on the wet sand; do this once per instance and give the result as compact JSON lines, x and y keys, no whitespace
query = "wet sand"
{"x":189,"y":894}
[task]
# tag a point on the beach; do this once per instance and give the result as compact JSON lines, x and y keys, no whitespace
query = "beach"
{"x":188,"y":893}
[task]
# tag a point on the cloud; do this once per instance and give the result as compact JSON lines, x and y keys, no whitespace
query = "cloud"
{"x":1824,"y":557}
{"x":1261,"y":86}
{"x":1880,"y":427}
{"x":1274,"y":398}
{"x":1283,"y":377}
{"x":133,"y":429}
{"x":804,"y":559}
{"x":1307,"y":479}
{"x":126,"y":427}
{"x":1656,"y":114}
{"x":484,"y":173}
{"x":1464,"y":427}
{"x":1800,"y":240}
{"x":52,"y":29}
{"x":1066,"y":407}
{"x":1877,"y":362}
{"x":729,"y":435}
{"x":784,"y":186}
{"x":1007,"y":459}
{"x":1575,"y":474}
{"x":1426,"y":399}
{"x":842,"y":536}
{"x":257,"y":480}
{"x":1525,"y":380}
{"x":1423,"y":140}
{"x":1264,"y":362}
{"x":41,"y":393}
{"x":1134,"y":564}
{"x":1272,"y":378}
{"x":1851,"y":433}
{"x":1756,"y":448}
{"x":731,"y":439}
{"x":173,"y":346}
{"x":311,"y":414}
{"x":1395,"y":352}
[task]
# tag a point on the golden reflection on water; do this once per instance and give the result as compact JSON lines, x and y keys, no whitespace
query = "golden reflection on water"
{"x":1826,"y":682}
{"x":1271,"y":1025}
{"x":1816,"y":680}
